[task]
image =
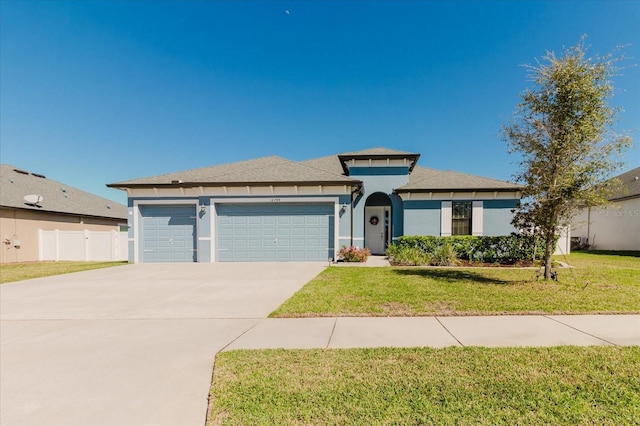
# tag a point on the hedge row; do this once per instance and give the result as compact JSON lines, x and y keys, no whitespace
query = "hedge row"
{"x":508,"y":249}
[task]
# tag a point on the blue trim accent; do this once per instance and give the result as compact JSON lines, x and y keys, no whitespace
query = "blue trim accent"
{"x":422,"y":205}
{"x":500,"y":204}
{"x":378,"y":171}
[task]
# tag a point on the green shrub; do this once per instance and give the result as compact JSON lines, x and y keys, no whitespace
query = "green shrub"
{"x":508,"y":249}
{"x":407,"y":256}
{"x":445,"y":255}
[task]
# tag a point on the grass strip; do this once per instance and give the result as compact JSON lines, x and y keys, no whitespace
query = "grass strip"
{"x":596,"y":283}
{"x":11,"y":272}
{"x":461,"y":386}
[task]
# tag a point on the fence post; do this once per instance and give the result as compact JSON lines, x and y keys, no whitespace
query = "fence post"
{"x":57,"y":235}
{"x":86,"y":245}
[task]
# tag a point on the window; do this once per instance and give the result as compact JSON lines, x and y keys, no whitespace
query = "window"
{"x":461,"y":218}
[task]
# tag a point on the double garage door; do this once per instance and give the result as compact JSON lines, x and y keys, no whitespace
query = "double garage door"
{"x":274,"y":232}
{"x":244,"y":232}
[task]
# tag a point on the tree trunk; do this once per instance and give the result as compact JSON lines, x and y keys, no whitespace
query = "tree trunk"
{"x":548,"y":252}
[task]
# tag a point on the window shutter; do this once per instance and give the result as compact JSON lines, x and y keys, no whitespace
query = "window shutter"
{"x":445,"y":219}
{"x":476,"y":218}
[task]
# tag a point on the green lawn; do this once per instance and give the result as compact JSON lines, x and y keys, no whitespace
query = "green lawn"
{"x":10,"y":272}
{"x":597,"y":283}
{"x":462,"y":386}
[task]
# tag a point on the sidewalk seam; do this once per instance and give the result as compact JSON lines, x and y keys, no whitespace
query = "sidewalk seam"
{"x":335,"y":322}
{"x":241,"y":334}
{"x":450,"y":333}
{"x":581,"y":331}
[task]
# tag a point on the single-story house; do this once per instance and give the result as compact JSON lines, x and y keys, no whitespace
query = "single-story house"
{"x":274,"y":209}
{"x":615,"y":226}
{"x":31,"y":204}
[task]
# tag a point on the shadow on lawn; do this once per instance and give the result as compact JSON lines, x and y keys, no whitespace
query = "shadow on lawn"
{"x":452,"y":275}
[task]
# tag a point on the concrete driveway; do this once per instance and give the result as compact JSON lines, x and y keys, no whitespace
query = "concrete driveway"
{"x":130,"y":345}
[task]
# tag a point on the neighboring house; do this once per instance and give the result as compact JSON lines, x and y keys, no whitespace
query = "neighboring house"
{"x":273,"y":209}
{"x":31,"y":204}
{"x":615,"y":226}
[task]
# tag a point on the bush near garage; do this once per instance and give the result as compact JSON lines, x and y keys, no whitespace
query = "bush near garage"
{"x":353,"y":254}
{"x":504,"y":250}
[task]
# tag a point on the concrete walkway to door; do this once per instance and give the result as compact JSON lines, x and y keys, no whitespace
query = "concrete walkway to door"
{"x":129,"y":345}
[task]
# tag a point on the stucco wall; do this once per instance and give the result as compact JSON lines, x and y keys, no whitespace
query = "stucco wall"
{"x":23,"y":225}
{"x":379,"y":179}
{"x":422,"y":217}
{"x":615,"y":227}
{"x":497,"y":217}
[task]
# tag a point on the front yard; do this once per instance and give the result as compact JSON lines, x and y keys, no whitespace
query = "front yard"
{"x":597,"y":283}
{"x":464,"y":386}
{"x":10,"y":272}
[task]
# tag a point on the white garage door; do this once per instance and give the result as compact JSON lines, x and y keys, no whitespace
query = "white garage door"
{"x":275,"y":232}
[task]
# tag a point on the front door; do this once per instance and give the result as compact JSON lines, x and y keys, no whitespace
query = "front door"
{"x":374,"y":229}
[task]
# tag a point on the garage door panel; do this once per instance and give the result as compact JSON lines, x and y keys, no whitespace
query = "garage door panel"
{"x":168,"y":233}
{"x":275,"y":232}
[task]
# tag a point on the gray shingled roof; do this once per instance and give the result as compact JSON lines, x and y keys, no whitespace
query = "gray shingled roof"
{"x":56,"y":197}
{"x":264,"y":170}
{"x":630,"y":185}
{"x":324,"y":170}
{"x":424,"y":179}
{"x":330,"y":163}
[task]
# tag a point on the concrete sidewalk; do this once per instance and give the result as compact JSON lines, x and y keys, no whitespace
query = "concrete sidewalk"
{"x":437,"y":332}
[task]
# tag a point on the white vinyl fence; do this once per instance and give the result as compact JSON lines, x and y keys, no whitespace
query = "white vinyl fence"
{"x":83,"y":245}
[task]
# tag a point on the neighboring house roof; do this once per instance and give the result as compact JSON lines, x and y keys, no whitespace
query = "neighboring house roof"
{"x":56,"y":197}
{"x":629,"y":185}
{"x":324,"y":170}
{"x":427,"y":180}
{"x":266,"y":170}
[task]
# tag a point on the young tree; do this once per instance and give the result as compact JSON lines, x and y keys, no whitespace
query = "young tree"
{"x":563,"y":132}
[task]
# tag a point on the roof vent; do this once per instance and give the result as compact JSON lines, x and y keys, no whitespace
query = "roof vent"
{"x":33,"y":199}
{"x":22,"y":172}
{"x":38,"y":175}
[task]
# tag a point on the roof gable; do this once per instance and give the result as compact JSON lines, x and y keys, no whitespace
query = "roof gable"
{"x":56,"y":197}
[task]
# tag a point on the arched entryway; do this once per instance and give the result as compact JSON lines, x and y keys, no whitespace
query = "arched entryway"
{"x":377,"y":225}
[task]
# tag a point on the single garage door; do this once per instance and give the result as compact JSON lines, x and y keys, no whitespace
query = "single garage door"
{"x":168,"y":233}
{"x":275,"y":232}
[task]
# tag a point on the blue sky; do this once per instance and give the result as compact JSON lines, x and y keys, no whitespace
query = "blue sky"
{"x":95,"y":92}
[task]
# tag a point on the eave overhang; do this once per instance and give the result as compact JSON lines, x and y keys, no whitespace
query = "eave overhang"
{"x":345,"y":158}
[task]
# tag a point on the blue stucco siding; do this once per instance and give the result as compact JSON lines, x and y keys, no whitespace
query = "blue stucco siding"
{"x":378,"y":171}
{"x":204,"y":229}
{"x":422,"y":217}
{"x":497,"y":217}
{"x":385,"y":184}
